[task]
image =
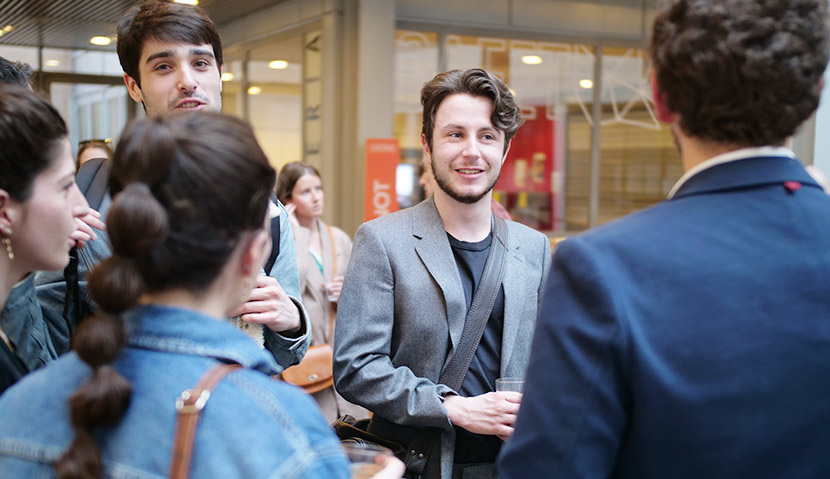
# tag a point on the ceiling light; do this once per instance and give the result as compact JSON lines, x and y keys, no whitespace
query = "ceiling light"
{"x":52,"y":63}
{"x":227,"y":76}
{"x":531,"y":59}
{"x":101,"y":41}
{"x":254,"y":90}
{"x":278,"y":65}
{"x":187,"y":2}
{"x":7,"y":28}
{"x":586,"y":83}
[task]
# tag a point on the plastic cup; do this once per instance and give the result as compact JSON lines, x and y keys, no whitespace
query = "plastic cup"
{"x":366,"y":459}
{"x":510,"y":384}
{"x":331,"y":294}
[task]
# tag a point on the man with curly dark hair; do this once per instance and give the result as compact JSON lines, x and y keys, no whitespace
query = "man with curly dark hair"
{"x":691,"y":339}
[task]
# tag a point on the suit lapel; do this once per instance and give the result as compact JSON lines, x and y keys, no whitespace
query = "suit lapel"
{"x":515,"y":296}
{"x":433,"y":248}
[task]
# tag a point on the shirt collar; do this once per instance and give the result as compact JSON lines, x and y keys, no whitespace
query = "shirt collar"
{"x":181,"y":331}
{"x":735,"y":155}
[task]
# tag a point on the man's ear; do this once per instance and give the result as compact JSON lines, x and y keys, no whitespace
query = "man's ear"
{"x":426,"y":147}
{"x":663,"y":113}
{"x":133,"y":89}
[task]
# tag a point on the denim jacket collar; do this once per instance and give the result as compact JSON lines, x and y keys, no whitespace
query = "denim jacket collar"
{"x":183,"y":331}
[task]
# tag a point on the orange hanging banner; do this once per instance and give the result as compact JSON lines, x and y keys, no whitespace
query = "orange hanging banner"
{"x":382,"y":156}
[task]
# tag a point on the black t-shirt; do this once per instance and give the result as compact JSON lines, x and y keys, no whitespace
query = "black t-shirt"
{"x":484,"y":369}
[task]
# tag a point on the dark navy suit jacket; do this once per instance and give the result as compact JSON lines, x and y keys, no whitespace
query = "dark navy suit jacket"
{"x":689,"y":340}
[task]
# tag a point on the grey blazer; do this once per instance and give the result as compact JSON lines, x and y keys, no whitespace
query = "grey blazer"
{"x":402,"y":311}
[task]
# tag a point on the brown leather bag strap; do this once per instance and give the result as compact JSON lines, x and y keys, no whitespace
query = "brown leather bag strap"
{"x":188,"y":412}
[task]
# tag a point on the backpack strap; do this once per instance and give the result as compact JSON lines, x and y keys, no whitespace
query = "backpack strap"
{"x":93,"y":181}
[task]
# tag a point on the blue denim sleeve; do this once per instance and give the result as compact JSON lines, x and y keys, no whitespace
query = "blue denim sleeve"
{"x":288,"y":351}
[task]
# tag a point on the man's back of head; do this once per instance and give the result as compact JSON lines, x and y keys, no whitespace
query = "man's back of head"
{"x":737,"y":72}
{"x":15,"y":73}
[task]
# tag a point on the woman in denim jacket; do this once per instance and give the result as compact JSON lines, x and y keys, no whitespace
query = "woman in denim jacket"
{"x":188,"y":232}
{"x":39,"y":210}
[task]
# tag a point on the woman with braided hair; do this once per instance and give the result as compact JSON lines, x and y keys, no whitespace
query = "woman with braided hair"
{"x":188,"y":232}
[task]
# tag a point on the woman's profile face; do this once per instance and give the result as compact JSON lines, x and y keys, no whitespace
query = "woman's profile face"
{"x":307,"y":196}
{"x":43,"y":222}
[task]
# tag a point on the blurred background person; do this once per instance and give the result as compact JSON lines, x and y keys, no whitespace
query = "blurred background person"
{"x":189,"y":236}
{"x":39,"y":205}
{"x":323,"y":253}
{"x":91,"y":149}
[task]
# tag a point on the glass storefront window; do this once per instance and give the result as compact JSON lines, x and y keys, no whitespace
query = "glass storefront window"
{"x":546,"y":178}
{"x":638,"y":160}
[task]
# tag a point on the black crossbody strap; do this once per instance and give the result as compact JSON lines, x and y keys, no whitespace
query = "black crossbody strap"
{"x":483,"y":300}
{"x":425,"y":445}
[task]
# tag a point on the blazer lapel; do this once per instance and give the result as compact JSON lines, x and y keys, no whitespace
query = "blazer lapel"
{"x":515,"y":296}
{"x":433,"y":248}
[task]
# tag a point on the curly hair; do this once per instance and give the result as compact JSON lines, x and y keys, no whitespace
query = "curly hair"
{"x":737,"y":71}
{"x":476,"y":82}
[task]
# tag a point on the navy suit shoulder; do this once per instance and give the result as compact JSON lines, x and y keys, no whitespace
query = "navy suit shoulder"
{"x":688,"y":339}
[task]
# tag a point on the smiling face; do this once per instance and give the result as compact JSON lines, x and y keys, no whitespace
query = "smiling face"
{"x":176,"y":77}
{"x":467,"y":150}
{"x":43,"y":222}
{"x":307,"y":196}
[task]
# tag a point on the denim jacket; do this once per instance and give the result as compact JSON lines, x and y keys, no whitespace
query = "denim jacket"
{"x":23,"y":324}
{"x":50,"y":289}
{"x":252,"y":426}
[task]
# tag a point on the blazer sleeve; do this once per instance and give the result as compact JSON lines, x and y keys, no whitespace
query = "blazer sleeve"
{"x":574,"y":408}
{"x":363,"y":370}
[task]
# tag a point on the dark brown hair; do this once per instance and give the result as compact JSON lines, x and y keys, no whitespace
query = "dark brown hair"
{"x":289,"y":175}
{"x":164,"y":21}
{"x":475,"y":82}
{"x":740,"y":72}
{"x":30,"y":133}
{"x":186,"y":188}
{"x":15,"y":73}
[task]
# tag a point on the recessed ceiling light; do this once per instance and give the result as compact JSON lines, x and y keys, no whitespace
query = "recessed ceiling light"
{"x":227,"y":76}
{"x":586,"y":83}
{"x":52,"y":63}
{"x":278,"y":65}
{"x":531,"y":59}
{"x":187,"y":2}
{"x":7,"y":28}
{"x":101,"y":41}
{"x":254,"y":90}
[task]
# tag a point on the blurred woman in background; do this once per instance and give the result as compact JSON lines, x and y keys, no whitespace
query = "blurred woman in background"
{"x":323,"y":253}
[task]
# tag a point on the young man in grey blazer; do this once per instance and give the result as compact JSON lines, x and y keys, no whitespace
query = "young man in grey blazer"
{"x":412,"y":277}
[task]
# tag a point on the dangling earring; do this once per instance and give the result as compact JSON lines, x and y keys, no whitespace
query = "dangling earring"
{"x":7,"y":241}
